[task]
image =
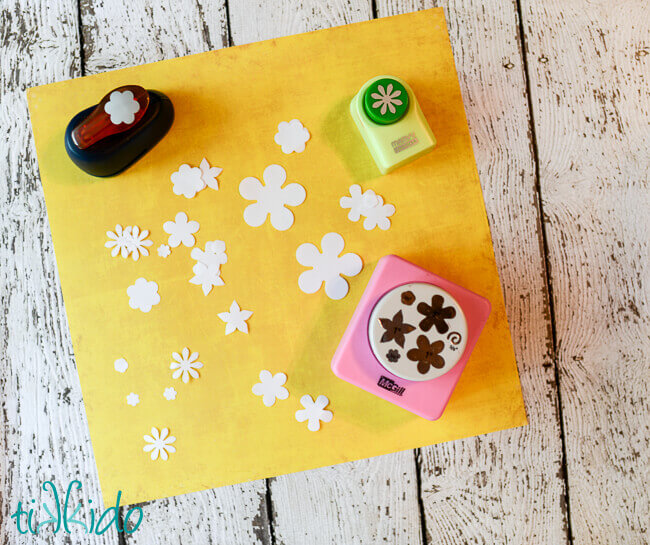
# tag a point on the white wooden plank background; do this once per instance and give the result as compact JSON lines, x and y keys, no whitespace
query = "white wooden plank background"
{"x":566,"y":79}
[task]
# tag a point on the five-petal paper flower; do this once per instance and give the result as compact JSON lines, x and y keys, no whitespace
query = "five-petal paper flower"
{"x":159,"y":444}
{"x":181,"y":230}
{"x":271,"y":198}
{"x":292,"y":136}
{"x":314,"y":411}
{"x":143,"y":295}
{"x":188,"y":181}
{"x":169,"y":394}
{"x":328,"y":266}
{"x":209,"y":175}
{"x":271,"y":387}
{"x":236,"y":318}
{"x":185,"y":365}
{"x":370,"y":205}
{"x":122,"y":107}
{"x":207,"y":270}
{"x":386,"y":98}
{"x":132,"y":399}
{"x":137,"y":242}
{"x":119,"y":241}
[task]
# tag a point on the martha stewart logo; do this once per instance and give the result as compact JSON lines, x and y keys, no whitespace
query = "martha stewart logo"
{"x":63,"y":517}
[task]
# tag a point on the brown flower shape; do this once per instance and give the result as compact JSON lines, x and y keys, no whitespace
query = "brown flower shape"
{"x":427,"y":354}
{"x":395,"y":329}
{"x":408,"y":297}
{"x":392,"y":355}
{"x":436,"y":314}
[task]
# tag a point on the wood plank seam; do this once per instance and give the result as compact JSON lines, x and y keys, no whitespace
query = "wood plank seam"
{"x":566,"y":505}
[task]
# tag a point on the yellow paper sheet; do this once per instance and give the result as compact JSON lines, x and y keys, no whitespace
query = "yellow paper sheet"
{"x":228,"y":104}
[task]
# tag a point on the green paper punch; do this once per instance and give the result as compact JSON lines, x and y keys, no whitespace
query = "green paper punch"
{"x":391,"y":122}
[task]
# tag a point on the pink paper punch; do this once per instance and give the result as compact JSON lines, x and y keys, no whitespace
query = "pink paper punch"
{"x":410,"y":337}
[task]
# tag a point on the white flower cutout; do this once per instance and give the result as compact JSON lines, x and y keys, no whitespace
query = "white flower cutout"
{"x":236,"y":318}
{"x":207,"y":271}
{"x":386,"y":98}
{"x":209,"y":175}
{"x":271,"y":387}
{"x":370,"y":205}
{"x":187,"y":181}
{"x":137,"y":242}
{"x":327,"y":267}
{"x":119,"y":241}
{"x":164,"y":250}
{"x":292,"y":136}
{"x":122,"y":107}
{"x":159,"y":444}
{"x":181,"y":231}
{"x":185,"y":365}
{"x":132,"y":399}
{"x":169,"y":394}
{"x":314,"y":411}
{"x":143,"y":295}
{"x":272,"y":199}
{"x":120,"y":365}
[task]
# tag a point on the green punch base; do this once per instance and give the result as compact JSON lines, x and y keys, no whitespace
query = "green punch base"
{"x":396,"y":144}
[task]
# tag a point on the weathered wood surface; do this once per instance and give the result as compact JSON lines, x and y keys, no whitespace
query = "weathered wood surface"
{"x":588,"y":66}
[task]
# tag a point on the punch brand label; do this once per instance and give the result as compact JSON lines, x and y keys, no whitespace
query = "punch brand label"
{"x":404,"y":142}
{"x":390,"y":385}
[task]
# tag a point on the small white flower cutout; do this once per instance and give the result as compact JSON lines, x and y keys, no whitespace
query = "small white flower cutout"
{"x":370,"y":205}
{"x":185,"y":365}
{"x":164,"y":250}
{"x":236,"y":318}
{"x":327,"y":267}
{"x":209,"y":175}
{"x":292,"y":136}
{"x":386,"y":98}
{"x":122,"y":107}
{"x":119,"y":241}
{"x":143,"y":295}
{"x":314,"y":411}
{"x":207,"y":271}
{"x":169,"y":394}
{"x":271,"y":387}
{"x":137,"y":242}
{"x":132,"y":399}
{"x":120,"y":365}
{"x":187,"y":181}
{"x":181,"y":231}
{"x":272,"y":199}
{"x":159,"y":444}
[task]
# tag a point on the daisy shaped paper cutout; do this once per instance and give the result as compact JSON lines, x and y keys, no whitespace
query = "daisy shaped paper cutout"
{"x":164,"y":250}
{"x":120,"y":365}
{"x":185,"y":365}
{"x":188,"y":181}
{"x":143,"y":295}
{"x":270,"y":387}
{"x":314,"y":412}
{"x":138,"y":242}
{"x":181,"y":231}
{"x":122,"y":107}
{"x":132,"y":399}
{"x":386,"y":98}
{"x":209,"y":175}
{"x":170,"y":394}
{"x":292,"y":136}
{"x":272,"y":199}
{"x":119,"y":241}
{"x":159,"y":444}
{"x":236,"y":318}
{"x":328,"y":267}
{"x":370,"y":205}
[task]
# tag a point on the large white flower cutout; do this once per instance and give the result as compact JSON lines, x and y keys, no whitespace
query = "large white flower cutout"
{"x":207,"y":270}
{"x":119,"y":241}
{"x":271,"y":387}
{"x":314,"y":411}
{"x":386,"y":98}
{"x":188,"y":181}
{"x":328,"y":266}
{"x":185,"y":365}
{"x":122,"y":107}
{"x":181,"y":231}
{"x":292,"y":136}
{"x":272,"y":199}
{"x":159,"y":444}
{"x":143,"y":295}
{"x":367,"y":204}
{"x":236,"y":318}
